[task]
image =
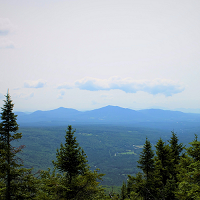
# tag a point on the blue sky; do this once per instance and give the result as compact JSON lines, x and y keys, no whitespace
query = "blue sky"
{"x":86,"y":54}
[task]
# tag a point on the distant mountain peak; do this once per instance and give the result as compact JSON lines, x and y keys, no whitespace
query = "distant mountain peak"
{"x":108,"y":115}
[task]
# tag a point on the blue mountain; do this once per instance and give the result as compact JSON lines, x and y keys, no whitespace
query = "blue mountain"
{"x":104,"y":115}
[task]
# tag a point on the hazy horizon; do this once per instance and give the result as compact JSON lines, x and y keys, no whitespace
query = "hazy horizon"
{"x":195,"y":111}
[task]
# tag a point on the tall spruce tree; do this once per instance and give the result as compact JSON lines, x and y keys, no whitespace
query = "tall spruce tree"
{"x":165,"y":183}
{"x":189,"y":173}
{"x":8,"y":129}
{"x":194,"y":150}
{"x":175,"y":151}
{"x":71,"y":158}
{"x":163,"y":160}
{"x":146,"y":163}
{"x":123,"y":191}
{"x":146,"y":160}
{"x":79,"y":182}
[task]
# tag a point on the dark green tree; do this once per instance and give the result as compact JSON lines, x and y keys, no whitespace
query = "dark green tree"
{"x":194,"y":150}
{"x":175,"y":151}
{"x":123,"y":191}
{"x":71,"y":158}
{"x":146,"y":163}
{"x":146,"y":160}
{"x":163,"y":160}
{"x":79,"y":182}
{"x":15,"y":182}
{"x":162,"y":169}
{"x":136,"y":186}
{"x":8,"y":129}
{"x":189,"y":173}
{"x":176,"y":148}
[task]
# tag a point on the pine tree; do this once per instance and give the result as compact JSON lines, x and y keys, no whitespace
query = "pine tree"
{"x":15,"y":182}
{"x":175,"y":151}
{"x":189,"y":173}
{"x":123,"y":191}
{"x":194,"y":150}
{"x":136,"y":186}
{"x":8,"y":129}
{"x":146,"y":159}
{"x":146,"y":162}
{"x":79,"y":182}
{"x":71,"y":158}
{"x":165,"y":182}
{"x":176,"y":148}
{"x":163,"y":160}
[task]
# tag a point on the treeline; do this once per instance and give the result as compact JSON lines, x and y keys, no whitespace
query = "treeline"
{"x":171,"y":172}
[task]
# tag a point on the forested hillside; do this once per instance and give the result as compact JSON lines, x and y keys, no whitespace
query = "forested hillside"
{"x":113,"y":149}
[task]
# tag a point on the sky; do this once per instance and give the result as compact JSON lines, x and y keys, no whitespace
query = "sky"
{"x":87,"y":54}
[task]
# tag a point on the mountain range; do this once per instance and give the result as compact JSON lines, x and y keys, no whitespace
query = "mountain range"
{"x":105,"y":115}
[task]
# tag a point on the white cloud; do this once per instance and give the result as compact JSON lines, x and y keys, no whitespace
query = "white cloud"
{"x":6,"y":44}
{"x":65,"y":86}
{"x":35,"y":84}
{"x":129,"y":85}
{"x":62,"y":93}
{"x":6,"y":26}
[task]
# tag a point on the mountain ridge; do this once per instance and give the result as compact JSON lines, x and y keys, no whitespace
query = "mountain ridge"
{"x":105,"y":115}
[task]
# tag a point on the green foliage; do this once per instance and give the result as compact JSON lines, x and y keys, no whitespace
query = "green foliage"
{"x":189,"y":187}
{"x":71,"y":159}
{"x":163,"y":161}
{"x":107,"y":148}
{"x":123,"y":191}
{"x":50,"y":185}
{"x":79,"y":181}
{"x":160,"y":172}
{"x":15,"y":182}
{"x":194,"y":150}
{"x":189,"y":176}
{"x":146,"y":160}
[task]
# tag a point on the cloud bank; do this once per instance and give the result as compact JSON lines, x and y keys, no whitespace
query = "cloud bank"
{"x":35,"y":84}
{"x":157,"y":86}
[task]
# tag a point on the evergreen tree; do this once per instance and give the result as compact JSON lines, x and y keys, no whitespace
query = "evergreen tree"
{"x":189,"y":173}
{"x":194,"y":150}
{"x":123,"y":191}
{"x":15,"y":182}
{"x":163,"y":160}
{"x":8,"y":129}
{"x":136,"y":186}
{"x":50,"y":186}
{"x":176,"y":149}
{"x":146,"y":160}
{"x":71,"y":158}
{"x":79,"y":182}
